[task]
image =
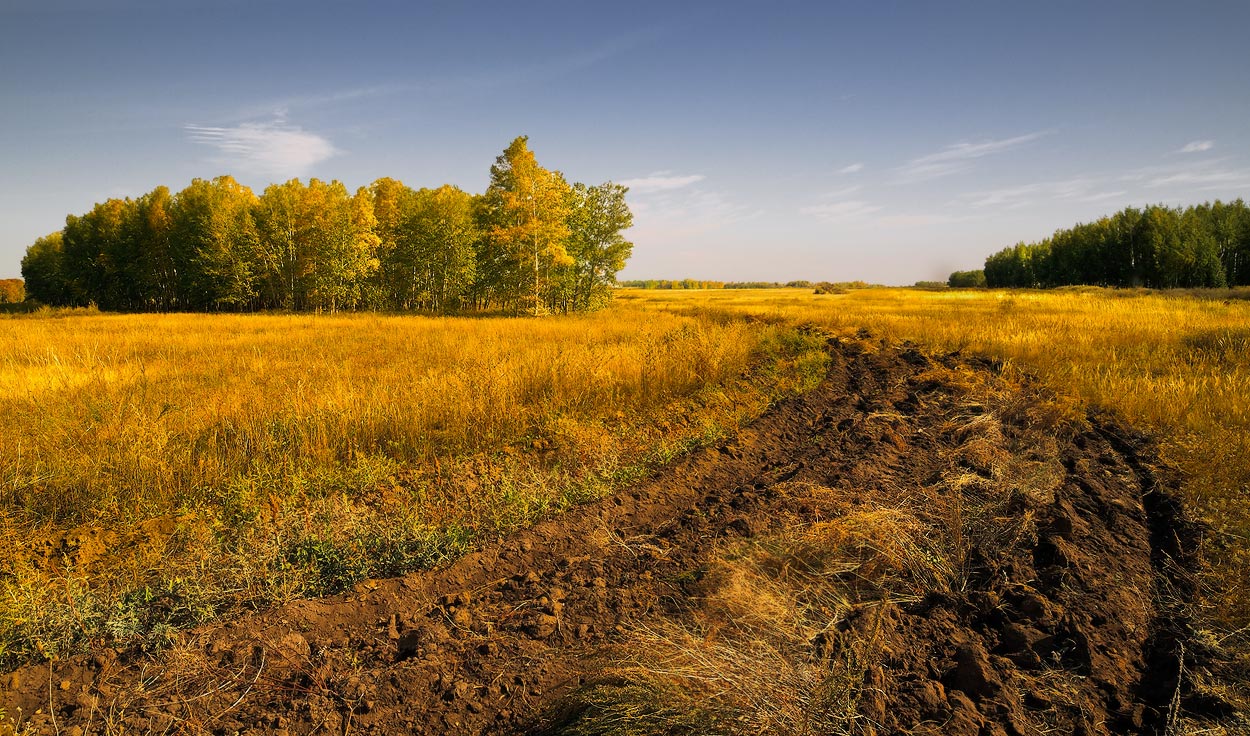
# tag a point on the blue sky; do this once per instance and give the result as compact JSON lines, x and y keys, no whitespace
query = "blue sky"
{"x":884,"y":141}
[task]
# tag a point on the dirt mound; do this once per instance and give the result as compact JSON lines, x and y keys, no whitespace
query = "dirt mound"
{"x":999,"y":570}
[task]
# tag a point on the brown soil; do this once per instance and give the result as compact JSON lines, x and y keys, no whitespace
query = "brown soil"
{"x":1074,"y":625}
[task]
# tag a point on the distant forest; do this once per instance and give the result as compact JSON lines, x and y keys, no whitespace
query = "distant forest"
{"x":530,"y":244}
{"x":1207,"y":245}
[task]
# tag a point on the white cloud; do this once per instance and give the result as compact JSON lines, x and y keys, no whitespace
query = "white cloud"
{"x":661,"y":181}
{"x":852,"y":169}
{"x":274,"y":149}
{"x":1197,"y":147}
{"x":853,"y":209}
{"x":958,"y":157}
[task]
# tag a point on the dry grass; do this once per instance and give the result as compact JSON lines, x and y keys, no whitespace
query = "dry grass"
{"x":158,"y":470}
{"x":1172,"y":363}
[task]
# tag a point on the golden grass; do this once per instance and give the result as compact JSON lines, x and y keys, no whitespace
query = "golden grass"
{"x":1173,"y":364}
{"x":159,"y":469}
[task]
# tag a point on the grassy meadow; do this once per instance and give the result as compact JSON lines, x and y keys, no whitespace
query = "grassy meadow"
{"x":159,"y":470}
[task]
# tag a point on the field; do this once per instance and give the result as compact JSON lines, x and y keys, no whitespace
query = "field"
{"x":1171,"y":364}
{"x":160,"y":472}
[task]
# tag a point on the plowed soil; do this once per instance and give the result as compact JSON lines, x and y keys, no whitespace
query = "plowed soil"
{"x":1089,"y":593}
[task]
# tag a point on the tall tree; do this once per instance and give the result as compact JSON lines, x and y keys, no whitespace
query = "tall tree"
{"x":43,"y":270}
{"x":149,"y":231}
{"x":214,"y":245}
{"x":318,"y":244}
{"x":527,"y":210}
{"x":597,"y":216}
{"x":392,"y":206}
{"x":440,"y":238}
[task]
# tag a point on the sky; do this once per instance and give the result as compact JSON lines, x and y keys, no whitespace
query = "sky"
{"x":885,"y":141}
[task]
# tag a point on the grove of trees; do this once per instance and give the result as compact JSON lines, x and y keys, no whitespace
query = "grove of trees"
{"x":1207,"y":245}
{"x":531,"y":243}
{"x":966,"y":279}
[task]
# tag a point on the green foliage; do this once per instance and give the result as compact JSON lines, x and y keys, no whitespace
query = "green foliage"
{"x":43,"y":269}
{"x":967,"y":280}
{"x":530,"y":244}
{"x":1205,"y":246}
{"x":596,"y":219}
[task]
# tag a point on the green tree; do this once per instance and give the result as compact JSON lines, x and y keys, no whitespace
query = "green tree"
{"x":149,"y":231}
{"x":967,"y":280}
{"x":392,"y":206}
{"x":439,"y":242}
{"x":42,"y":268}
{"x":214,"y":245}
{"x":597,"y":216}
{"x":95,"y":254}
{"x":317,"y":244}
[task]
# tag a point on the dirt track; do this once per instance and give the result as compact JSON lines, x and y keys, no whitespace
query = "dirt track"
{"x":492,"y":643}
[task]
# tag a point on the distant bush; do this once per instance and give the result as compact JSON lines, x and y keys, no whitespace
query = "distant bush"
{"x":12,"y":291}
{"x":967,"y":280}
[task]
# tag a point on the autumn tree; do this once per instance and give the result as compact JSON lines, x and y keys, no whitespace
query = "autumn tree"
{"x":214,"y":245}
{"x":526,"y":217}
{"x":149,"y":229}
{"x":392,"y":207}
{"x":438,"y":248}
{"x":317,"y":244}
{"x":530,"y":244}
{"x":12,"y":291}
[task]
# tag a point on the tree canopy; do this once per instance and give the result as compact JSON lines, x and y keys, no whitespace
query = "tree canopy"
{"x":1207,"y":245}
{"x":531,"y":243}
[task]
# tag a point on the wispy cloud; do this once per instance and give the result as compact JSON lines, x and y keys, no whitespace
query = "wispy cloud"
{"x":852,"y":169}
{"x":958,"y":157}
{"x":273,"y":149}
{"x":1192,"y":175}
{"x":1197,"y":147}
{"x":839,"y":212}
{"x":661,"y":181}
{"x":1080,"y":188}
{"x":669,"y":209}
{"x":1204,"y":178}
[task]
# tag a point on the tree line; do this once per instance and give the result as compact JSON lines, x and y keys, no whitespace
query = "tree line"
{"x":532,"y":243}
{"x":1206,"y":245}
{"x":679,"y":284}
